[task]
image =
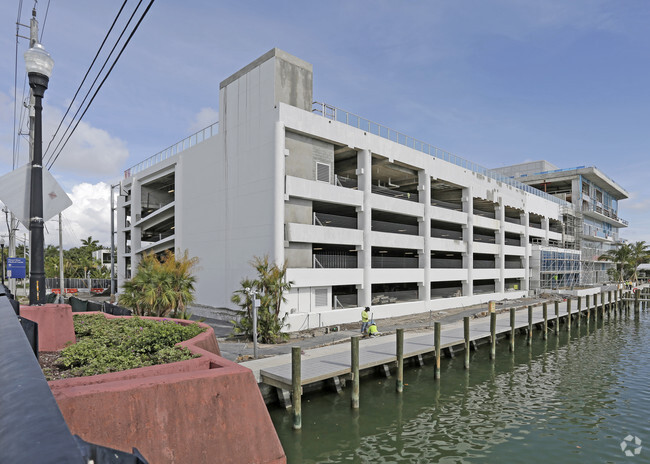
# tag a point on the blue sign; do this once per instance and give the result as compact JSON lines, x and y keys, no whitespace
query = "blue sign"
{"x":16,"y":268}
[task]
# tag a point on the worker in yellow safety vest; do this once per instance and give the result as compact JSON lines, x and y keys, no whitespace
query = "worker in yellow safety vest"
{"x":365,"y":319}
{"x":372,"y":330}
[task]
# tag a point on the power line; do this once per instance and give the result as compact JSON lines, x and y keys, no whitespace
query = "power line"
{"x":86,"y":75}
{"x":47,"y":10}
{"x":15,"y":135}
{"x":105,"y":77}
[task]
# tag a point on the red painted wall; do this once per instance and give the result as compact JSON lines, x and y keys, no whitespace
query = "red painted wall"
{"x":203,"y":410}
{"x":55,"y":327}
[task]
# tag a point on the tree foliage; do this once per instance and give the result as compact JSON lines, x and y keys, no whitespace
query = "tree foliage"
{"x":78,"y":262}
{"x":627,"y":257}
{"x":270,"y":287}
{"x":162,"y":286}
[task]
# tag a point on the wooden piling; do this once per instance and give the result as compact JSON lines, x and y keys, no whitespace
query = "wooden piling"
{"x":399,"y":350}
{"x":637,"y":296}
{"x":602,"y":305}
{"x":467,"y":341}
{"x":579,"y":310}
{"x":436,"y":341}
{"x":530,"y":325}
{"x":296,"y":387}
{"x":545,"y":312}
{"x":512,"y":329}
{"x":557,"y":317}
{"x":609,"y":300}
{"x":587,"y":308}
{"x":354,"y":368}
{"x":568,"y":314}
{"x":493,"y":335}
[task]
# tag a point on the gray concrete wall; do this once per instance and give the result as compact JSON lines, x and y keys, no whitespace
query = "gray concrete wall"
{"x":298,"y":255}
{"x":304,"y":153}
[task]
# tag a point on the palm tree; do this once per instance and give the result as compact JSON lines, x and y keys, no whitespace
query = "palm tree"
{"x":620,"y":256}
{"x":270,"y":286}
{"x":161,"y":287}
{"x":639,"y":254}
{"x":90,"y":243}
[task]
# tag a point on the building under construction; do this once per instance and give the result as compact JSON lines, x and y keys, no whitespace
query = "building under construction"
{"x":590,"y":226}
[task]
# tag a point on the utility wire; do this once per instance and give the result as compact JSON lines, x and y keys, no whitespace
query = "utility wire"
{"x":15,"y":133}
{"x":104,"y":80}
{"x":47,"y":10}
{"x":86,"y":75}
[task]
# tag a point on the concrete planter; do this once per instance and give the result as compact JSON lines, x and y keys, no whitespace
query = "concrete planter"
{"x":206,"y":409}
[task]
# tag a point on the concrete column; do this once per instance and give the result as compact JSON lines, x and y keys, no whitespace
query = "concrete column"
{"x":501,"y":240}
{"x":545,"y":228}
{"x":424,"y":188}
{"x":468,"y":238}
{"x":136,"y":215}
{"x":364,"y":175}
{"x":120,"y":240}
{"x":278,"y":195}
{"x":525,"y":239}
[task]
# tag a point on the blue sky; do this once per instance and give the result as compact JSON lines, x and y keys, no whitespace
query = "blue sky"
{"x":496,"y":82}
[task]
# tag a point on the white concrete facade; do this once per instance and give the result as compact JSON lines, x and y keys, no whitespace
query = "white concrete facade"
{"x":360,"y":219}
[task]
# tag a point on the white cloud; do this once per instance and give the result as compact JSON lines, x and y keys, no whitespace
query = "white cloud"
{"x":89,"y":215}
{"x":91,"y":151}
{"x":203,"y":119}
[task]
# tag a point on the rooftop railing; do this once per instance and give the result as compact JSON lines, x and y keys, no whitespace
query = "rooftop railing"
{"x":174,"y":149}
{"x":336,"y":114}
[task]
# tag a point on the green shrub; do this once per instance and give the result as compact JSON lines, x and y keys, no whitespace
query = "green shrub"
{"x":112,"y":345}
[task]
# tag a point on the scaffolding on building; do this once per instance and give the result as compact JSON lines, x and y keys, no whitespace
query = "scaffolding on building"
{"x":572,"y":264}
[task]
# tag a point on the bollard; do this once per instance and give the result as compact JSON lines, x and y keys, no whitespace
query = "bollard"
{"x":545,"y":311}
{"x":512,"y":329}
{"x":354,"y":368}
{"x":557,"y":317}
{"x":568,"y":314}
{"x":530,"y":325}
{"x":466,"y":333}
{"x":609,"y":299}
{"x":399,"y":349}
{"x":436,"y":341}
{"x":296,"y":387}
{"x":493,"y":335}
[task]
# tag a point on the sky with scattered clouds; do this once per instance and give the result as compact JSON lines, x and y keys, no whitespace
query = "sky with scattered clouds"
{"x":497,"y":82}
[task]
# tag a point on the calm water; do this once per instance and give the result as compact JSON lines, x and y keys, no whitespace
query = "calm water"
{"x":568,"y":399}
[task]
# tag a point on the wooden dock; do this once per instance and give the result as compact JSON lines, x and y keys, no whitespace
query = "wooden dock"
{"x":382,"y":350}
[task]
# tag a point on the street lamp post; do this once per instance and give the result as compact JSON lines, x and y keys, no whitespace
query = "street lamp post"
{"x":39,"y":65}
{"x":2,"y":263}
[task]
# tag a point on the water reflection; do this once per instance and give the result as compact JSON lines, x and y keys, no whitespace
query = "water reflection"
{"x":570,"y":398}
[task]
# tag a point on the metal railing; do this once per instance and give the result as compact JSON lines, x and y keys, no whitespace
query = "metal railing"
{"x":446,"y":234}
{"x":336,"y":114}
{"x":394,"y":262}
{"x":394,"y":297}
{"x":53,"y":283}
{"x":447,"y":204}
{"x":334,"y":220}
{"x":394,"y":228}
{"x":334,"y":260}
{"x":600,"y":209}
{"x":410,"y":196}
{"x":345,"y":182}
{"x":174,"y":149}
